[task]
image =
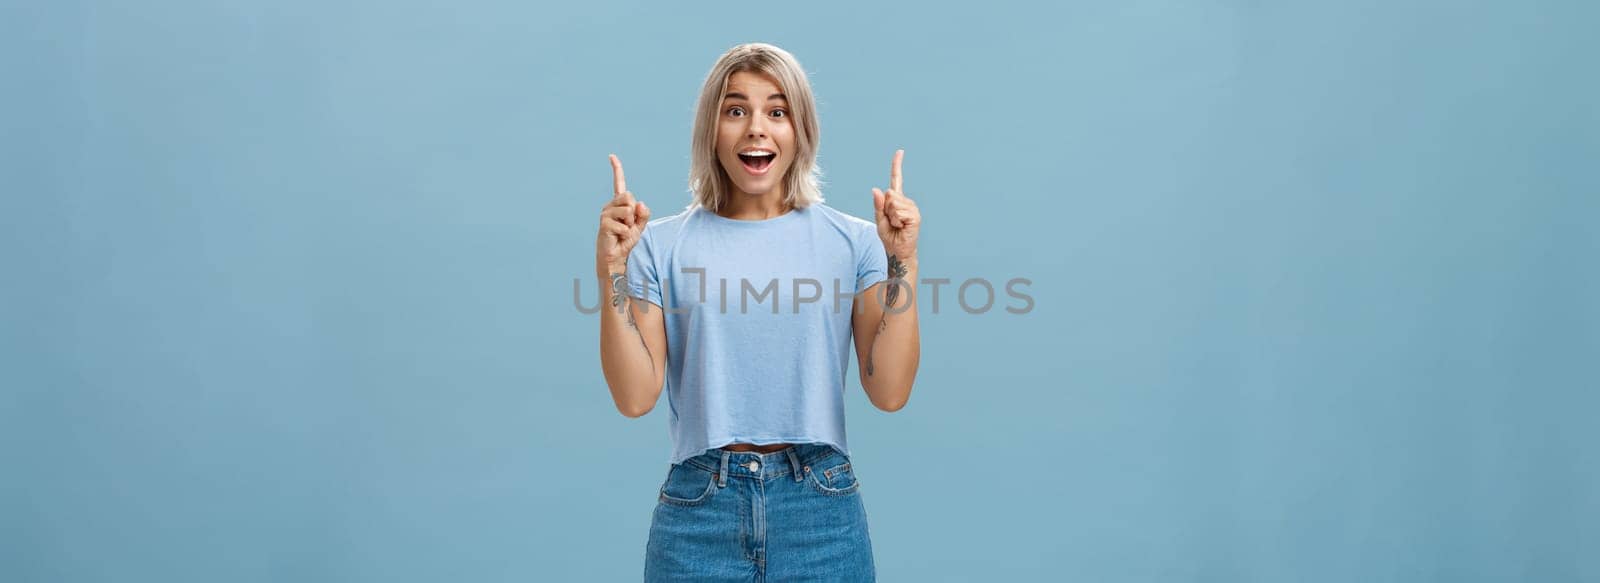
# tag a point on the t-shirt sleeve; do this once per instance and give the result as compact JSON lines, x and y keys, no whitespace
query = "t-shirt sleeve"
{"x":643,"y":282}
{"x":872,"y":263}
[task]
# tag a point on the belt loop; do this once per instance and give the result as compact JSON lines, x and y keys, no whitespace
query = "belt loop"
{"x":794,"y":461}
{"x":722,"y":474}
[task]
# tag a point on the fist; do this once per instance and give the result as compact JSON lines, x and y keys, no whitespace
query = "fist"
{"x":897,"y":215}
{"x":622,"y":221}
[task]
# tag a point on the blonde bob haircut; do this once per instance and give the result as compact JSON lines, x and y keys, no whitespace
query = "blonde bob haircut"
{"x":708,"y":180}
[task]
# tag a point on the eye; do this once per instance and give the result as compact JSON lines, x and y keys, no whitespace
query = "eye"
{"x":779,"y":113}
{"x":736,"y":111}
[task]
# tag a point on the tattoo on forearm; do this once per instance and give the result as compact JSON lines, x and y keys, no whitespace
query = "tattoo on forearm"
{"x":620,"y":300}
{"x":882,"y":323}
{"x":897,"y":274}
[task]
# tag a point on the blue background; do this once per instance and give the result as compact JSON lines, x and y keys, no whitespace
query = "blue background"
{"x":288,"y":287}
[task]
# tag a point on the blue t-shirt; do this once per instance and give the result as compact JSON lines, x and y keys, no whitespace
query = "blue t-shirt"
{"x":757,"y":321}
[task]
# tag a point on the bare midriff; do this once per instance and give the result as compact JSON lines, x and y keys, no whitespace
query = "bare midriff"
{"x":756,"y":448}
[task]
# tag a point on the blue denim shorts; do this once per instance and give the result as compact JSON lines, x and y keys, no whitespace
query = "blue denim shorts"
{"x":791,"y":515}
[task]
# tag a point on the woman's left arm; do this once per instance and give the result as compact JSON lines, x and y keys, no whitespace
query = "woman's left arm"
{"x":888,"y":339}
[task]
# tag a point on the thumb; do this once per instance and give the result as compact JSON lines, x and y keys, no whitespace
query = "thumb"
{"x":641,"y":214}
{"x":877,"y":205}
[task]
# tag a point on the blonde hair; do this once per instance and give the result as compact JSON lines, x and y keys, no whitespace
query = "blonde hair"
{"x":708,"y":180}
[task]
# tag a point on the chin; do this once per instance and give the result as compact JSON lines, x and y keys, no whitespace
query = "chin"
{"x":757,"y":188}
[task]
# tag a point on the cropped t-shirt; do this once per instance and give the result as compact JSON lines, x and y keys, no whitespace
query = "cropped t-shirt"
{"x":758,"y":322}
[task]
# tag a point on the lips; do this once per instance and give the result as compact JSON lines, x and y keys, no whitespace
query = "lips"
{"x":757,"y":162}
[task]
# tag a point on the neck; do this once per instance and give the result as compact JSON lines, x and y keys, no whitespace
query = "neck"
{"x":754,"y":207}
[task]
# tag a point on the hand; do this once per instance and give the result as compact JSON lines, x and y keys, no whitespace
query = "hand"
{"x":898,"y":217}
{"x":622,"y":221}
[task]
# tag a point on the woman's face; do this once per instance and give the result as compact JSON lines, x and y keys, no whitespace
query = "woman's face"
{"x":755,"y":136}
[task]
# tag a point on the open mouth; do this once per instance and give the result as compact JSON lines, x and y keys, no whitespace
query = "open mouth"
{"x":757,"y":162}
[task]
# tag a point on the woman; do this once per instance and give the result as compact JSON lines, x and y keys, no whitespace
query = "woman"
{"x":744,"y":305}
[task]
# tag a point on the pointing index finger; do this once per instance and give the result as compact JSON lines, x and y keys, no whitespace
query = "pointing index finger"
{"x":618,"y":185}
{"x":894,"y":171}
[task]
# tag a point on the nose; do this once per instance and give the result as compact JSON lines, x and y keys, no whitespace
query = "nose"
{"x":757,"y":127}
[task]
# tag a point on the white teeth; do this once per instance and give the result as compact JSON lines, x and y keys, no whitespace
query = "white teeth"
{"x":756,"y":153}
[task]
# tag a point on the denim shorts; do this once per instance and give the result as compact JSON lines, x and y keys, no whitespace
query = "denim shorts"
{"x":791,"y":515}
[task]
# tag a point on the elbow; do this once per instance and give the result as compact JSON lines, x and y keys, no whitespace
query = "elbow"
{"x":891,"y":400}
{"x":635,"y":403}
{"x":890,"y":390}
{"x":892,"y":407}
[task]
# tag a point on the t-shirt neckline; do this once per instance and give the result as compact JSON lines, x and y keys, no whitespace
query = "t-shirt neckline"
{"x":794,"y":212}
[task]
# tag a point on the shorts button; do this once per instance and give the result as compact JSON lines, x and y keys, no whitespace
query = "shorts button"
{"x":754,"y":466}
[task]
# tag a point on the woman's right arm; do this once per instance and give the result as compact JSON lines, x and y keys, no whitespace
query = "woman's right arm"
{"x":633,"y":337}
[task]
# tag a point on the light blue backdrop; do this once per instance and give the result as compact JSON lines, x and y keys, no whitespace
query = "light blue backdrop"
{"x":287,"y":286}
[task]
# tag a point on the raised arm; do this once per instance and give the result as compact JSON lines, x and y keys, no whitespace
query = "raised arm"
{"x":633,"y":338}
{"x":888,"y":338}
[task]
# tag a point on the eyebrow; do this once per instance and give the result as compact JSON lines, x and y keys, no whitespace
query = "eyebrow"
{"x":742,"y":96}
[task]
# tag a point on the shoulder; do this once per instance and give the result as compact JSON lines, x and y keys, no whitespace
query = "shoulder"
{"x":850,"y":225}
{"x":668,"y":227}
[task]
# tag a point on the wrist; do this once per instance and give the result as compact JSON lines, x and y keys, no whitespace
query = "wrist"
{"x":901,"y":266}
